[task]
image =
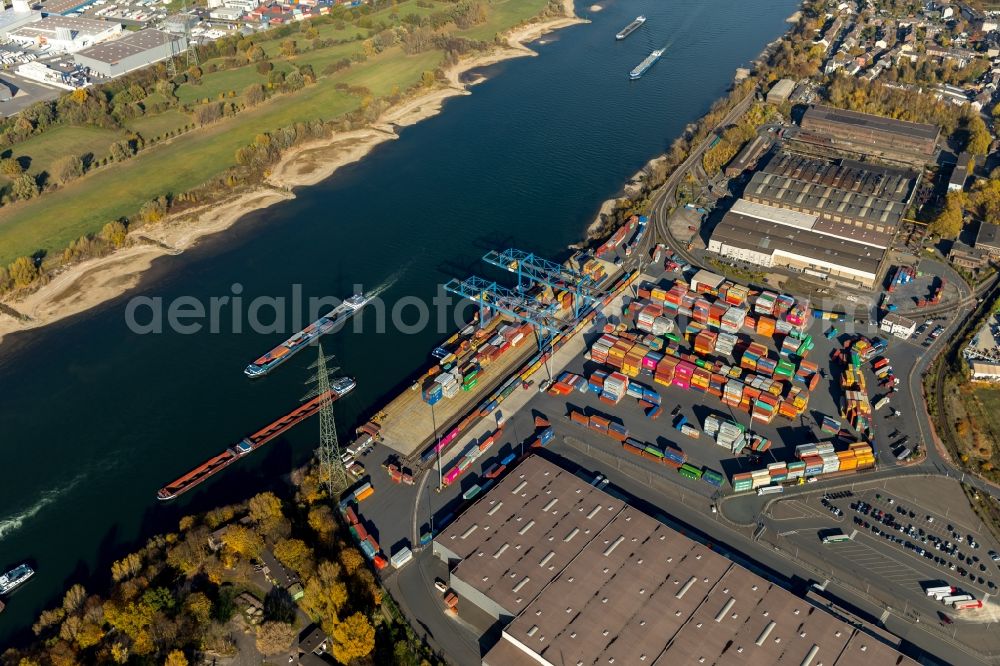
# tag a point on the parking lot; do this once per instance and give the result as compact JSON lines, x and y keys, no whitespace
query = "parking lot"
{"x":918,"y":532}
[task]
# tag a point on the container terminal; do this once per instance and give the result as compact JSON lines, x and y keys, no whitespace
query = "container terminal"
{"x":630,"y":28}
{"x":509,"y":340}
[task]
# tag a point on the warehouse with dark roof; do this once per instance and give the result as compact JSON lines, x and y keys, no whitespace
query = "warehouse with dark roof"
{"x":833,"y":219}
{"x":891,"y":139}
{"x":775,"y":237}
{"x":134,"y":50}
{"x":857,"y":197}
{"x":584,"y":578}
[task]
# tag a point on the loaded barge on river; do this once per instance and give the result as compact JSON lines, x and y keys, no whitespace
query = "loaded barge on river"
{"x":339,"y":388}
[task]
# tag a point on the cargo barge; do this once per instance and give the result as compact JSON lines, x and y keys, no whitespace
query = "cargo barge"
{"x":644,"y":66}
{"x":630,"y":28}
{"x":339,"y":388}
{"x":301,"y":340}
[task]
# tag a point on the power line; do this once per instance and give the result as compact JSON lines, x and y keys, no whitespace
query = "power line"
{"x":331,"y":468}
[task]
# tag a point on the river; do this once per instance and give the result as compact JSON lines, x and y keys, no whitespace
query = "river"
{"x":95,"y":417}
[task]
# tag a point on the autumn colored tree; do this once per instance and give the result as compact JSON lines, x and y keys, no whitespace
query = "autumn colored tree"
{"x":10,"y":167}
{"x":274,"y":637}
{"x":265,"y":511}
{"x":979,"y":138}
{"x":62,"y":654}
{"x":948,"y":223}
{"x":23,"y":271}
{"x":322,"y":520}
{"x":128,"y":566}
{"x":188,"y":555}
{"x":153,"y":211}
{"x":24,"y":187}
{"x":47,"y":619}
{"x":67,"y":169}
{"x":219,"y":516}
{"x":199,"y":607}
{"x":294,"y":554}
{"x":243,"y":541}
{"x":353,"y":638}
{"x":175,"y":658}
{"x":254,"y":94}
{"x":351,"y":560}
{"x":74,"y":598}
{"x":325,"y":594}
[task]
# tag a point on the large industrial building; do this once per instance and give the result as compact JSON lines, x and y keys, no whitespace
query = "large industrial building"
{"x":776,"y":237}
{"x":832,"y":219}
{"x":17,"y":16}
{"x":580,"y":577}
{"x":876,"y":136}
{"x":134,"y":50}
{"x":63,"y":33}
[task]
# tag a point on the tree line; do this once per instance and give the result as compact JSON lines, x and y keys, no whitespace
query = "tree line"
{"x":178,"y":598}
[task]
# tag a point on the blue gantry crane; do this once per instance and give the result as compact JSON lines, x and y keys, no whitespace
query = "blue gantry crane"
{"x":492,"y":296}
{"x":530,"y":268}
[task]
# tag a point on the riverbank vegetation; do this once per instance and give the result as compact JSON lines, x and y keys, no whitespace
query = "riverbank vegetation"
{"x":966,"y":414}
{"x":132,"y":150}
{"x":203,"y":592}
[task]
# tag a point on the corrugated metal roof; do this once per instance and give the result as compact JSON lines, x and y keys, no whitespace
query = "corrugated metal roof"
{"x":638,"y":592}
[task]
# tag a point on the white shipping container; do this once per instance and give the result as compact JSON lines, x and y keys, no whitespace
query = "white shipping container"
{"x":401,"y":558}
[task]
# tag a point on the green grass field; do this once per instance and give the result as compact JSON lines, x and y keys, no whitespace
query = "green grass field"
{"x":160,"y":124}
{"x":390,"y":69}
{"x":504,"y":15}
{"x":53,"y":220}
{"x":45,"y":149}
{"x":219,"y":82}
{"x":323,"y":57}
{"x":112,"y":192}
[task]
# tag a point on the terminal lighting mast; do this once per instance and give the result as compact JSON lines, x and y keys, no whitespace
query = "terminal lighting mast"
{"x":331,"y":468}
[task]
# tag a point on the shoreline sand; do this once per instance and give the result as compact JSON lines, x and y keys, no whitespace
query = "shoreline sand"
{"x":90,"y":283}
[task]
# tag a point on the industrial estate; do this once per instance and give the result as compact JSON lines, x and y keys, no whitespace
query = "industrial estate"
{"x":749,"y":422}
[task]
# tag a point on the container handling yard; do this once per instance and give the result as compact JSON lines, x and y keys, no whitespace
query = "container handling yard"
{"x":671,"y":381}
{"x":714,"y":396}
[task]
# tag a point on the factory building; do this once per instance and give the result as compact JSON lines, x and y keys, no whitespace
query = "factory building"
{"x":65,"y":34}
{"x":748,"y":156}
{"x":53,"y":7}
{"x":876,"y":136}
{"x":134,"y":50}
{"x":961,"y":172}
{"x":861,"y":201}
{"x":17,"y":16}
{"x":579,"y":576}
{"x":833,"y":219}
{"x":780,"y":238}
{"x":780,"y":91}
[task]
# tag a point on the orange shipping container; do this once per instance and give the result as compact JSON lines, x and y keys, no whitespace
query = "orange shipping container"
{"x":765,"y":326}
